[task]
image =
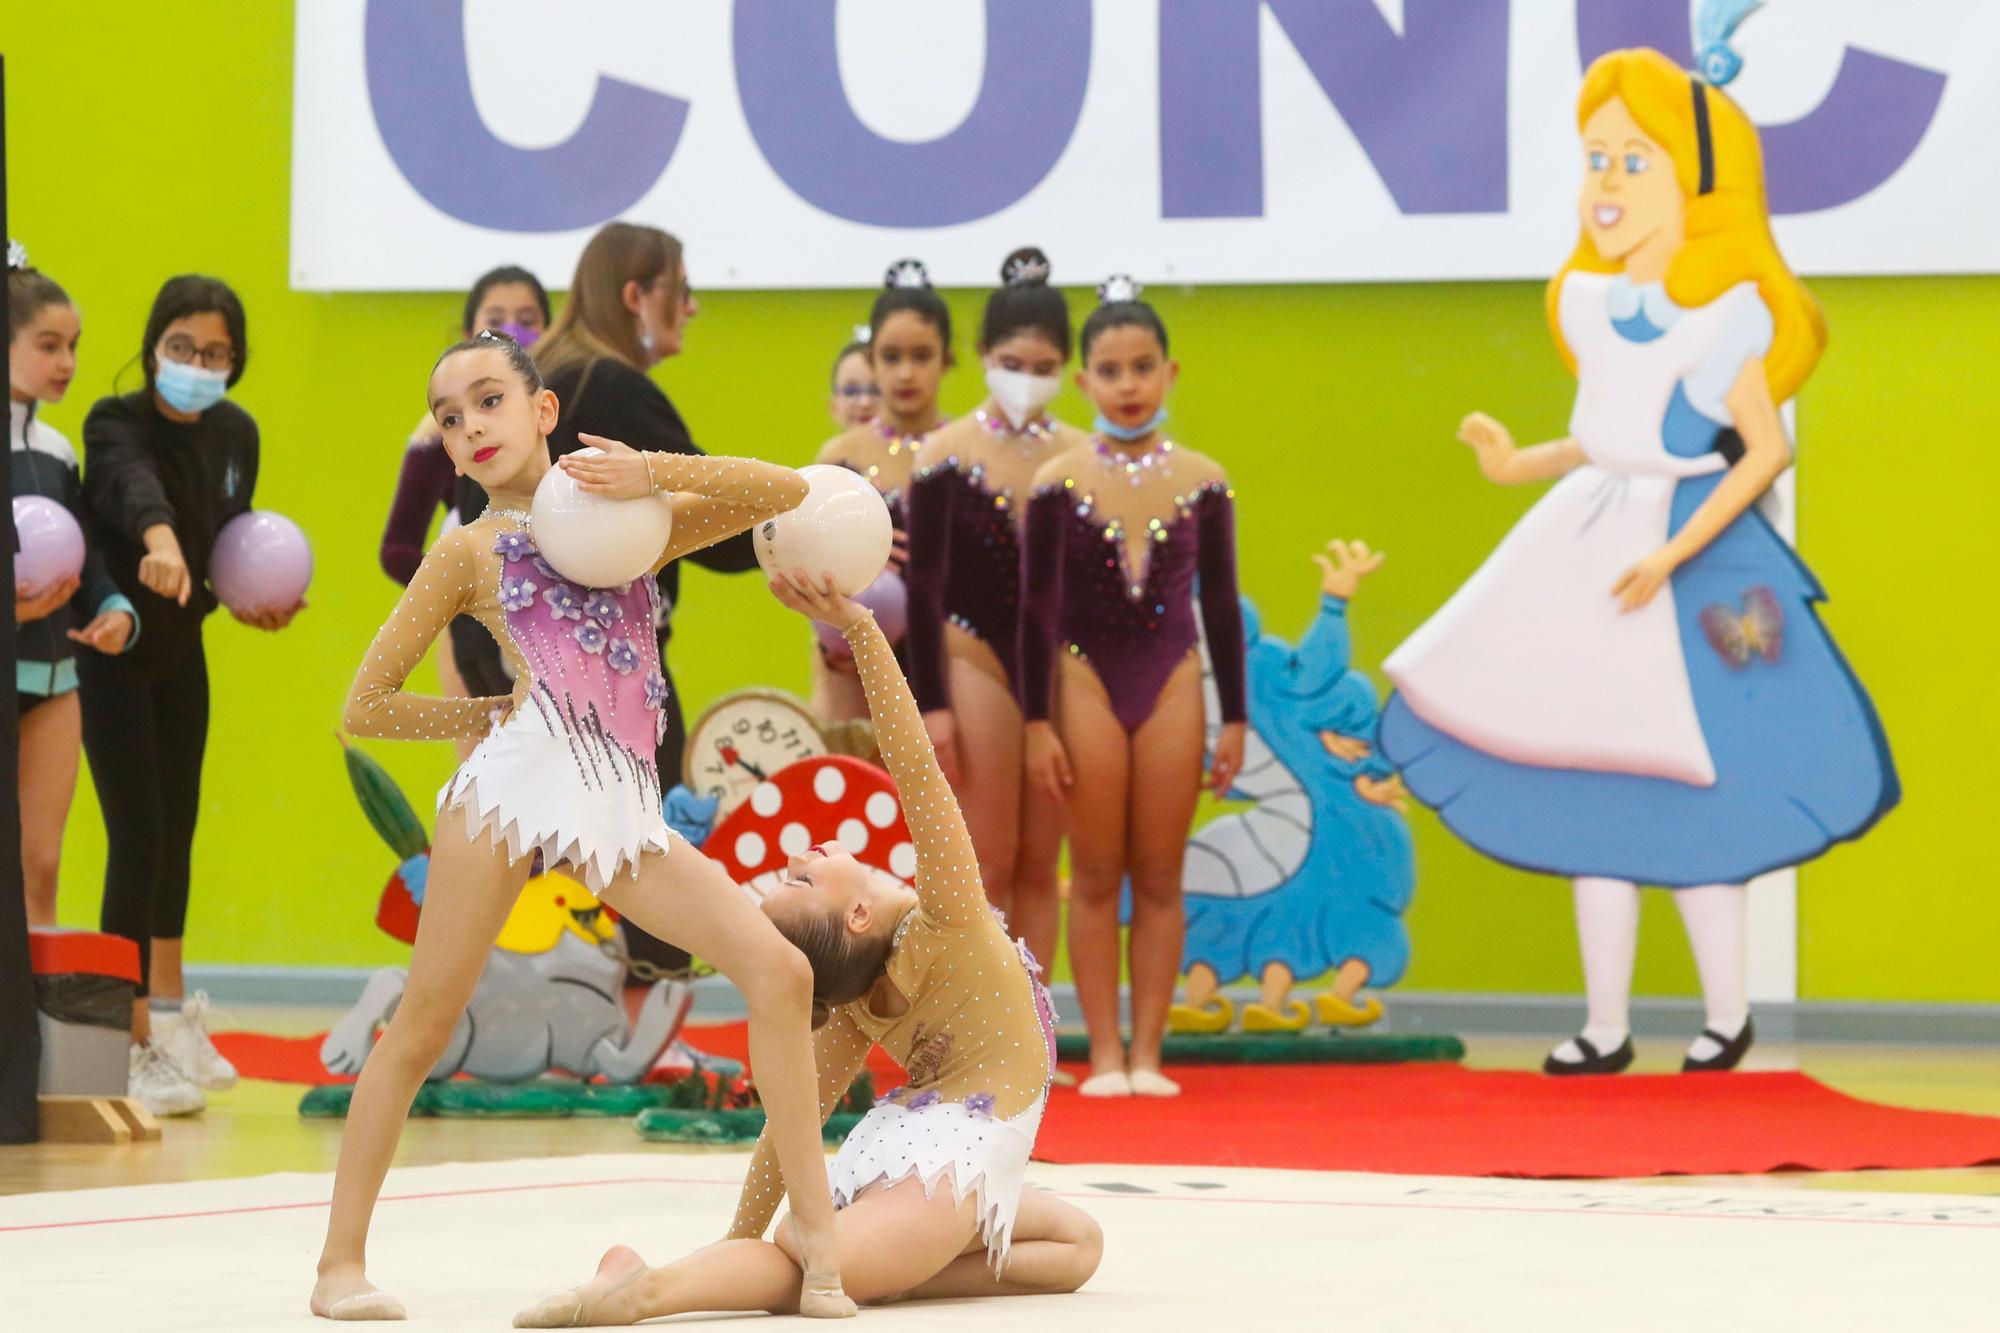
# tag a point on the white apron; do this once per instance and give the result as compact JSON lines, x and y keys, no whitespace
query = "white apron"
{"x":1533,"y":661}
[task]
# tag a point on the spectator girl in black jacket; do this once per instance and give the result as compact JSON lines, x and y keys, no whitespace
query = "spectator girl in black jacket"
{"x":164,"y":469}
{"x":56,"y":623}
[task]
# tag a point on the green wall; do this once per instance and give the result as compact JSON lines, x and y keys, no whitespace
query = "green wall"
{"x":138,"y":153}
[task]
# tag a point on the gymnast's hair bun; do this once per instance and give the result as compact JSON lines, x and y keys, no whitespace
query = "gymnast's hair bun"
{"x":1119,"y":287}
{"x":907,"y":273}
{"x":1026,"y":267}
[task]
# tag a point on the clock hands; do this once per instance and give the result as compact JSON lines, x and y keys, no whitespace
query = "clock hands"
{"x":730,"y":755}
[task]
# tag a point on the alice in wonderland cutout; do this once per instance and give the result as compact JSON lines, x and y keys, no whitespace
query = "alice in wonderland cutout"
{"x":1635,"y":688}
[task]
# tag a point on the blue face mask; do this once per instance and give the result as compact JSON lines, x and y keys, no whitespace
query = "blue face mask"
{"x":190,"y":388}
{"x":1106,"y":426}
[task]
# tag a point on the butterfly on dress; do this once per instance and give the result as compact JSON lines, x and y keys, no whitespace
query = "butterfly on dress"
{"x":1756,"y":631}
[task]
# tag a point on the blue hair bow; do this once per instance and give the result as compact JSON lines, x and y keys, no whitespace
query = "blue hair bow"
{"x":1714,"y":24}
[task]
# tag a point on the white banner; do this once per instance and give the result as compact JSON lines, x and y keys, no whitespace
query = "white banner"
{"x":808,"y":143}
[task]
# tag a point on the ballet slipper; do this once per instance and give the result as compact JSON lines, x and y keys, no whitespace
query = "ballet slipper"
{"x":581,"y":1307}
{"x":1338,"y":1013}
{"x":821,"y":1297}
{"x":1152,"y":1083}
{"x":820,"y":1294}
{"x":1062,"y":1078}
{"x":364,"y":1302}
{"x":1111,"y":1083}
{"x":1263,"y":1018}
{"x":1215,"y":1016}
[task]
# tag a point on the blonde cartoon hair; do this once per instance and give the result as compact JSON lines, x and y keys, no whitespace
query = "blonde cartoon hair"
{"x":1727,"y":228}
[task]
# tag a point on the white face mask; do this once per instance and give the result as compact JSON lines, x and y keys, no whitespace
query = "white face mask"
{"x":1019,"y":395}
{"x":648,"y":344}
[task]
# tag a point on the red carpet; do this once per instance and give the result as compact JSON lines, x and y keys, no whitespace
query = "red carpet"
{"x":1425,"y":1119}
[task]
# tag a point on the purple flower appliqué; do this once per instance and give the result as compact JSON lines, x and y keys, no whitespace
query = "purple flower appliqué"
{"x":516,"y":594}
{"x":980,"y":1103}
{"x":564,"y":604}
{"x":604,"y":609}
{"x":544,"y":568}
{"x":514,"y":546}
{"x":590,"y":636}
{"x":622,"y":657}
{"x":928,"y":1097}
{"x":656,"y":690}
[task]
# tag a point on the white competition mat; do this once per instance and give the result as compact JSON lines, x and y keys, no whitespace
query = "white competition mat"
{"x":1188,"y":1248}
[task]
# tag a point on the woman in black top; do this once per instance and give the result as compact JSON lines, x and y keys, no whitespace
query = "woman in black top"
{"x":164,"y":469}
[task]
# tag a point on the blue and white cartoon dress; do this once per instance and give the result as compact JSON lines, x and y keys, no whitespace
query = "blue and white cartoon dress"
{"x":1712,"y":735}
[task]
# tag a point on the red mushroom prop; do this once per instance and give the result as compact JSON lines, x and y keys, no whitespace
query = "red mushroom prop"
{"x":824,"y":799}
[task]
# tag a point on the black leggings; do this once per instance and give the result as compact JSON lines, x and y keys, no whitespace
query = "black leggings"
{"x":145,"y":726}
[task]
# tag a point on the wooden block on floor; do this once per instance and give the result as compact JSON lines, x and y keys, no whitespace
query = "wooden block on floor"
{"x":97,"y":1120}
{"x":145,"y":1129}
{"x":82,"y":1120}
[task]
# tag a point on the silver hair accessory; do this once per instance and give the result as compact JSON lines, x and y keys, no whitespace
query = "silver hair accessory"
{"x":1026,"y":271}
{"x":1119,"y":287}
{"x":907,"y":273}
{"x":17,"y":254}
{"x":863,"y":334}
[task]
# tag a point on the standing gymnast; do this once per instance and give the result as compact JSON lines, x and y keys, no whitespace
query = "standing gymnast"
{"x":1120,"y":530}
{"x":970,"y":485}
{"x":567,"y":771}
{"x":909,"y":350}
{"x":512,"y":300}
{"x":929,"y":974}
{"x":43,"y":328}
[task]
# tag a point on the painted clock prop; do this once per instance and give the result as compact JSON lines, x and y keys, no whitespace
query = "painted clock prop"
{"x":779,"y":790}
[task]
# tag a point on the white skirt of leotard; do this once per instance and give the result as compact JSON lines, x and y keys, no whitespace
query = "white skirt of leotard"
{"x":582,"y":807}
{"x":983,"y":1157}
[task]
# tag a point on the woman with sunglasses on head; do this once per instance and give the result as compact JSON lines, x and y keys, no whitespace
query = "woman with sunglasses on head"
{"x":165,"y":467}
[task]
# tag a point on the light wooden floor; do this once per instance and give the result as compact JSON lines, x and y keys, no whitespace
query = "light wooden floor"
{"x":255,"y":1128}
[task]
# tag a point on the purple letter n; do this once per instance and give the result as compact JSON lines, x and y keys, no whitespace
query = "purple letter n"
{"x":1429,"y":107}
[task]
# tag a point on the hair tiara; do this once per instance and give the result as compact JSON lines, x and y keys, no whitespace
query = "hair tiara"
{"x":907,"y":273}
{"x":1030,"y":269}
{"x":1119,"y":287}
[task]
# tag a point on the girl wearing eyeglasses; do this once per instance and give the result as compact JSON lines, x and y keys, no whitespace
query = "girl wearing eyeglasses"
{"x":855,"y":400}
{"x":165,"y":467}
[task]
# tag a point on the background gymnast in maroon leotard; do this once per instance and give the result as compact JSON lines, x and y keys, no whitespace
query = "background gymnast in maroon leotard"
{"x":909,"y":349}
{"x":1119,"y":530}
{"x":965,"y":503}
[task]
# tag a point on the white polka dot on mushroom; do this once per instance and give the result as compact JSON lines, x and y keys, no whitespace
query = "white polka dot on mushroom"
{"x":881,"y":809}
{"x":903,"y":861}
{"x":765,"y":800}
{"x":750,"y":850}
{"x":829,"y":784}
{"x":853,"y":835}
{"x":794,"y":838}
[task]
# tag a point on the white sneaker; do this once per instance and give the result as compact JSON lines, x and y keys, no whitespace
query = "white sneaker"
{"x":187,"y":1041}
{"x":155,"y":1078}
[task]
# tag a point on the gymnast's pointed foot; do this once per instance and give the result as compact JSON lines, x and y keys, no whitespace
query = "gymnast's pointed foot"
{"x":349,"y":1295}
{"x":605,"y":1299}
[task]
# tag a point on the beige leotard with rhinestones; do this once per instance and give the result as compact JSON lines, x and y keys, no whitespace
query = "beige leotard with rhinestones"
{"x":975,"y":1029}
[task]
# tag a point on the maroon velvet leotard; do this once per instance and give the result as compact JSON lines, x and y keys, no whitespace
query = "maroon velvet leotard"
{"x":967,"y":568}
{"x":1079,"y":593}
